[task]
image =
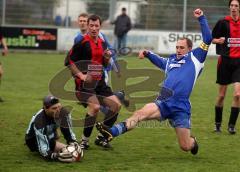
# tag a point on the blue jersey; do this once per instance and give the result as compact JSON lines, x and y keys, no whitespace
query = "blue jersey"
{"x":181,"y":74}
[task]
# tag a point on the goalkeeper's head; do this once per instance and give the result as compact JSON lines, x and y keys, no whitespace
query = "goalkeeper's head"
{"x":51,"y":106}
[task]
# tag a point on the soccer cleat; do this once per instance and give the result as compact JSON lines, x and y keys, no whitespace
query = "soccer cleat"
{"x":194,"y":150}
{"x":217,"y":129}
{"x":101,"y":141}
{"x":126,"y":102}
{"x":84,"y":144}
{"x":104,"y":130}
{"x":231,"y":130}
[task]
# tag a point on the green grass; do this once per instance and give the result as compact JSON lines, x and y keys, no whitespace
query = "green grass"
{"x":25,"y":82}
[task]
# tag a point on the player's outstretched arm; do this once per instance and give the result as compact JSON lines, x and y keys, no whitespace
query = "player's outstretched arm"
{"x":201,"y":51}
{"x":154,"y":58}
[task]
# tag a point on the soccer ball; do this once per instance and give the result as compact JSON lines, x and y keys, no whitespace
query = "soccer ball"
{"x":72,"y":153}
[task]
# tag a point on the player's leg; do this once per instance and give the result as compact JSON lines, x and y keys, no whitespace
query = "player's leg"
{"x":124,"y":41}
{"x":110,"y":106}
{"x":235,"y":78}
{"x":223,"y":79}
{"x":234,"y":109}
{"x":113,"y":105}
{"x":90,"y":119}
{"x":186,"y":141}
{"x":122,"y":98}
{"x":148,"y":112}
{"x":1,"y":74}
{"x":219,"y":107}
{"x":119,"y":40}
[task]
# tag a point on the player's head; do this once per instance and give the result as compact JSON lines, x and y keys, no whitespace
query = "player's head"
{"x":51,"y":106}
{"x":94,"y":24}
{"x":183,"y":46}
{"x":82,"y":22}
{"x":234,"y":7}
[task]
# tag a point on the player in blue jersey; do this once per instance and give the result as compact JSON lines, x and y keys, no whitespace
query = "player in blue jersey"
{"x":182,"y":70}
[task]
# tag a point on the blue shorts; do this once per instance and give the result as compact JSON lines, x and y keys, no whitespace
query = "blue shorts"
{"x":178,"y":112}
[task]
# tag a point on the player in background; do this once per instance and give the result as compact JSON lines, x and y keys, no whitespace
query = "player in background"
{"x":82,"y":22}
{"x":226,"y":36}
{"x":122,"y":26}
{"x":113,"y":65}
{"x":182,"y":69}
{"x":93,"y":49}
{"x":41,"y":135}
{"x":4,"y":52}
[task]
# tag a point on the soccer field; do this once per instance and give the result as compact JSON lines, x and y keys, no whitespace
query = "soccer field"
{"x":151,"y":147}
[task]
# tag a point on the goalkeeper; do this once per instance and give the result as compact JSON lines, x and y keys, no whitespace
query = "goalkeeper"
{"x":182,"y":70}
{"x":42,"y":133}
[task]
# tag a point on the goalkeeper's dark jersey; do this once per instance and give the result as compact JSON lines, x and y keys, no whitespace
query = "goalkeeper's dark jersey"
{"x":42,"y":131}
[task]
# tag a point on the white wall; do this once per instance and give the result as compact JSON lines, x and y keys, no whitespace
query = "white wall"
{"x":75,"y":8}
{"x":162,"y":42}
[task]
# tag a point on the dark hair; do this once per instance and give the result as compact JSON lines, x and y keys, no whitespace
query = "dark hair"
{"x":189,"y":42}
{"x":94,"y":17}
{"x":230,"y":1}
{"x":83,"y":15}
{"x":124,"y":9}
{"x":49,"y":101}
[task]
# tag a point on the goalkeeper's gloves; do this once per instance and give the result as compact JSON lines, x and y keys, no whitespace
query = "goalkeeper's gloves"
{"x":63,"y":157}
{"x":54,"y":156}
{"x":74,"y":143}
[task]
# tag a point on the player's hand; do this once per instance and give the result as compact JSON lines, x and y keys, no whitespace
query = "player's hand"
{"x":54,"y":156}
{"x":81,"y":76}
{"x":4,"y":52}
{"x":197,"y":13}
{"x":141,"y":54}
{"x":107,"y":54}
{"x":221,"y":40}
{"x":88,"y":78}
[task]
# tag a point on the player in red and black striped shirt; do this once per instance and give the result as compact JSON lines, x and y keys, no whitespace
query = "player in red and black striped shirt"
{"x":226,"y":36}
{"x":86,"y":60}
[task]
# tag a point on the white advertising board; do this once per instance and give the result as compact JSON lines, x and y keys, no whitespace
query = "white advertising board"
{"x":161,"y":42}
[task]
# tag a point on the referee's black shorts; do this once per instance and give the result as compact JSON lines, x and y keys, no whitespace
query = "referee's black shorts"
{"x":228,"y":70}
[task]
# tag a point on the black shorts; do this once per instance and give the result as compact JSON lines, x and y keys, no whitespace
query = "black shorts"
{"x":31,"y":144}
{"x":228,"y":70}
{"x":98,"y":88}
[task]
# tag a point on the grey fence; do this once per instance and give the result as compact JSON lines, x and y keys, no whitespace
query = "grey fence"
{"x":145,"y":14}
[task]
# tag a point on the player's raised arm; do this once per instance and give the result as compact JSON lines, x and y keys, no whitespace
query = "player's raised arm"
{"x":201,"y":51}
